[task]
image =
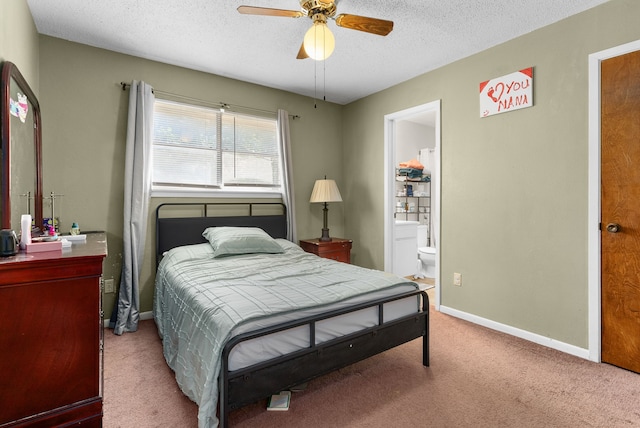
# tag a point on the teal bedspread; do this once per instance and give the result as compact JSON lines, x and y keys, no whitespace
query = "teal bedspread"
{"x":199,"y":301}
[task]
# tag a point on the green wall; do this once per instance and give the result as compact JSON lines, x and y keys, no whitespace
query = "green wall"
{"x":84,"y":113}
{"x":514,"y":186}
{"x":19,"y":40}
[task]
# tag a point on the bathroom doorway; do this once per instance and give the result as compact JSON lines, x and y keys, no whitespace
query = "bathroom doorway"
{"x":411,"y":122}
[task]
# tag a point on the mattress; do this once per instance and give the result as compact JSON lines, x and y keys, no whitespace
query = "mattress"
{"x":200,"y":302}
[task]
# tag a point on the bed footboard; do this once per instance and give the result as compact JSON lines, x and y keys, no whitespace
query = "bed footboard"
{"x":245,"y":386}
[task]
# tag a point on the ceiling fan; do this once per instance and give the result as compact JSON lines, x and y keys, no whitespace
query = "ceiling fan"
{"x":319,"y":41}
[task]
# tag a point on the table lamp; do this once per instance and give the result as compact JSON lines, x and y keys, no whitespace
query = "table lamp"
{"x":325,"y":191}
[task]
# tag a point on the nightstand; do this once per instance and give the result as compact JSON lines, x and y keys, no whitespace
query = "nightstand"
{"x":337,"y":249}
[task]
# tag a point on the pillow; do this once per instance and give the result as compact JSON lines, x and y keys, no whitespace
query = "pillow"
{"x":229,"y":240}
{"x":288,"y":246}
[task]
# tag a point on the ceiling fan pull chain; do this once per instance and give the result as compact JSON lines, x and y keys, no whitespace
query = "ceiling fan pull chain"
{"x":324,"y":80}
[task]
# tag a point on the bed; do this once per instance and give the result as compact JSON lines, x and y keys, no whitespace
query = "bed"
{"x":240,"y":325}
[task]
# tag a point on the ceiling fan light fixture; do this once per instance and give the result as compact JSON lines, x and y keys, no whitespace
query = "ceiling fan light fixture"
{"x":319,"y":42}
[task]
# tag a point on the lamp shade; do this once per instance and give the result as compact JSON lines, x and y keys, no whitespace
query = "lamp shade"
{"x":319,"y":41}
{"x":325,"y":191}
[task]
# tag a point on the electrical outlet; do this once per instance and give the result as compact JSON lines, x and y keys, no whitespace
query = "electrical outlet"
{"x":108,"y":286}
{"x":457,"y":279}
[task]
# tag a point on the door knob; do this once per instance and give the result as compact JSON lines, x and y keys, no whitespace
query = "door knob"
{"x":613,"y":228}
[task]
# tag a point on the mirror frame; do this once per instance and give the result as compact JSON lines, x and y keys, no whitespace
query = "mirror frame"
{"x":9,"y":72}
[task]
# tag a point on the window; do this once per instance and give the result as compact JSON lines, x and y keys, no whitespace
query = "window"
{"x":200,"y":149}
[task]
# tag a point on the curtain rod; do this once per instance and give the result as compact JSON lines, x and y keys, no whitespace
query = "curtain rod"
{"x":125,"y":85}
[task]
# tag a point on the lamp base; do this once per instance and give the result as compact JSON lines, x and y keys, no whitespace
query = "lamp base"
{"x":325,"y":230}
{"x":325,"y":236}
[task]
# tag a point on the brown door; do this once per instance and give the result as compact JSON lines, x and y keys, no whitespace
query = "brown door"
{"x":620,"y":216}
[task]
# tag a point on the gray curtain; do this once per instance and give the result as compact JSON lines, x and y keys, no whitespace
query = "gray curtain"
{"x":137,"y":186}
{"x":287,"y":165}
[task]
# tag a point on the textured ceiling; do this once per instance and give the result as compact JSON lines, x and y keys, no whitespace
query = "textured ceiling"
{"x":211,"y":36}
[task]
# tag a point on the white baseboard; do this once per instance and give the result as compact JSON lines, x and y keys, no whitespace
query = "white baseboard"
{"x":523,"y":334}
{"x":146,"y":315}
{"x":143,"y":316}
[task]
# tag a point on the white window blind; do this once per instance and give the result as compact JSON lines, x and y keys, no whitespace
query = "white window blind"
{"x":203,"y":148}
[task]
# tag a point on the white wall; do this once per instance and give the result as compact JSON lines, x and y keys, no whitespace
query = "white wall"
{"x":411,"y":138}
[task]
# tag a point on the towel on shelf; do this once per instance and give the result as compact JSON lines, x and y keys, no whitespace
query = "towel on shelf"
{"x":422,"y":178}
{"x":410,"y":172}
{"x":413,"y":163}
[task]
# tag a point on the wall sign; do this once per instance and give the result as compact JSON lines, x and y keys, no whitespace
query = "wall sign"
{"x":507,"y":93}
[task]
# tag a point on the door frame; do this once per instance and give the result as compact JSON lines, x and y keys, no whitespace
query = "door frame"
{"x":390,"y":163}
{"x":594,"y":215}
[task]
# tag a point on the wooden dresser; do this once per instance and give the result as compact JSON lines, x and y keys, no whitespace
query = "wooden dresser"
{"x":51,"y":336}
{"x":337,"y":249}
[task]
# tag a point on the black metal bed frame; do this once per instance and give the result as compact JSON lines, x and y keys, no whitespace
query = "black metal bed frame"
{"x":176,"y":231}
{"x":244,"y":386}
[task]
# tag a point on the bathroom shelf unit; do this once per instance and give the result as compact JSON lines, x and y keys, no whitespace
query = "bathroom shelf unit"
{"x":416,"y":207}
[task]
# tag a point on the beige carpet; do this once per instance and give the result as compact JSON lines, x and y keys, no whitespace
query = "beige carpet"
{"x":477,"y":378}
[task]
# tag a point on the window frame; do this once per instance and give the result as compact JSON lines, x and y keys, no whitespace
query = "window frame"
{"x":229,"y":191}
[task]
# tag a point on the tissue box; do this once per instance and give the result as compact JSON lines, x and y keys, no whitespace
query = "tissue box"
{"x":38,"y":247}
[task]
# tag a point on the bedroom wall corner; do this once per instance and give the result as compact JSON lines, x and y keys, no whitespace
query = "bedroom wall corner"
{"x":19,"y":41}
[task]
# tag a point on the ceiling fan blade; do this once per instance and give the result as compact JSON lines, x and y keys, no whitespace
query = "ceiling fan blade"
{"x":253,"y":10}
{"x":380,"y":27}
{"x":302,"y":54}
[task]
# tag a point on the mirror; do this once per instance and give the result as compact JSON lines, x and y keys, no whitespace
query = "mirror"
{"x":21,"y":155}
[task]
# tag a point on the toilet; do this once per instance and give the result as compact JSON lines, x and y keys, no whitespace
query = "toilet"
{"x":426,"y":255}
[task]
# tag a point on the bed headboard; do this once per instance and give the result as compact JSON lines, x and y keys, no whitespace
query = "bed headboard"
{"x":183,"y":223}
